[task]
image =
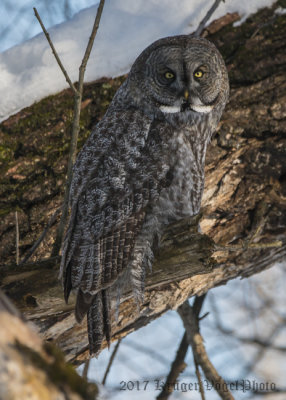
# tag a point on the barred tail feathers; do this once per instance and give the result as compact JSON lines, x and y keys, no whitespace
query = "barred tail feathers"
{"x":99,"y":321}
{"x":83,"y":302}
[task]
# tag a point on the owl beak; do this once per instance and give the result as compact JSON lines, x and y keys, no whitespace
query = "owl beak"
{"x":186,"y":95}
{"x":186,"y":104}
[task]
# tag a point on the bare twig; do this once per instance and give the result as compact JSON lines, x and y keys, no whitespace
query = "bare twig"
{"x":85,"y":369}
{"x":177,"y":367}
{"x":55,"y":52}
{"x":262,"y":343}
{"x":75,"y":131}
{"x":178,"y":364}
{"x":248,"y":246}
{"x":204,"y":21}
{"x":41,"y":238}
{"x":43,"y":263}
{"x":111,"y":361}
{"x":196,"y":341}
{"x":90,"y":43}
{"x":248,"y":243}
{"x":198,"y":374}
{"x":17,"y":237}
{"x":198,"y":304}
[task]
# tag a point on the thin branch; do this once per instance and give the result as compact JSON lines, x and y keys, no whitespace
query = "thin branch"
{"x":179,"y":364}
{"x":248,"y":243}
{"x":248,"y":246}
{"x":262,"y":343}
{"x":90,"y":43}
{"x":75,"y":131}
{"x":198,"y":374}
{"x":85,"y":369}
{"x":177,"y":367}
{"x":112,"y":357}
{"x":268,"y":344}
{"x":55,"y":52}
{"x":10,"y":269}
{"x":17,"y":237}
{"x":41,"y":238}
{"x":196,"y":341}
{"x":204,"y":21}
{"x":197,"y":306}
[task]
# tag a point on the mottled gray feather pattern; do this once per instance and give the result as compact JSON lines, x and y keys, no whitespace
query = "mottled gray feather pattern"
{"x":141,"y":168}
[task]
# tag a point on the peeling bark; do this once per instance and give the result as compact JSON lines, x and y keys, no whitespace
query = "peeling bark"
{"x":244,"y":198}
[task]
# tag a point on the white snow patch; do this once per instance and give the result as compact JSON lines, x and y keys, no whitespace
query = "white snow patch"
{"x":29,"y":72}
{"x":280,"y":11}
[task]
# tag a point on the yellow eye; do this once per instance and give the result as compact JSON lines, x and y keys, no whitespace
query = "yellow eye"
{"x":198,"y":74}
{"x":169,"y":75}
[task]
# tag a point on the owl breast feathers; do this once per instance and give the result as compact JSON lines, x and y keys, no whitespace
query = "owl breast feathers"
{"x":141,"y":168}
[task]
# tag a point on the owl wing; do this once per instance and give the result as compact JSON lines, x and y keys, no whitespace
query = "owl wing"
{"x":120,"y":170}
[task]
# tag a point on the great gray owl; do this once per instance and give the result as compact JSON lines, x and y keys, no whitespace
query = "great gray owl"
{"x":141,"y":168}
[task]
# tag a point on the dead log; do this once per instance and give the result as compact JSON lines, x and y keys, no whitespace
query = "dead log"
{"x":244,"y":198}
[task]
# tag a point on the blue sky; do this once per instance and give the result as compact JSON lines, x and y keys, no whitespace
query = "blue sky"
{"x":18,"y":23}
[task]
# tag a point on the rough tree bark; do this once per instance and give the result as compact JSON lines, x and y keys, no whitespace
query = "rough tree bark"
{"x":244,"y":198}
{"x":31,"y":369}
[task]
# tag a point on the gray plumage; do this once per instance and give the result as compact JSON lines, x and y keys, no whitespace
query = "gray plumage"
{"x":141,"y":168}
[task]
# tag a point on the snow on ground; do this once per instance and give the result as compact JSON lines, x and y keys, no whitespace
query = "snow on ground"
{"x":29,"y":72}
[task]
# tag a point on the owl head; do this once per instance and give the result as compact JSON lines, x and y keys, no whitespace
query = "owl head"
{"x":179,"y":74}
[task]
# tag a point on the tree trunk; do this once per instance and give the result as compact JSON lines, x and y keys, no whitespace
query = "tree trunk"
{"x":244,"y":200}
